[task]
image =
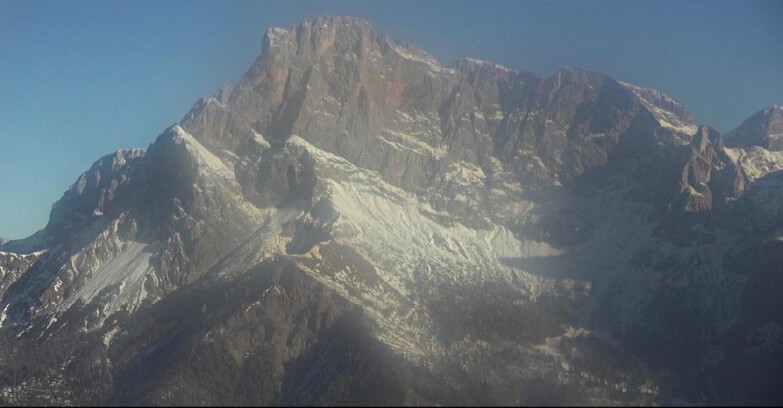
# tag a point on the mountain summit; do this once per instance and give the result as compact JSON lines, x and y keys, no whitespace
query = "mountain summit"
{"x":764,"y":129}
{"x":355,"y":223}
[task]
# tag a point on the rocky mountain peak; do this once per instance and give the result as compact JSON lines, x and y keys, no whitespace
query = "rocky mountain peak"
{"x":333,"y":82}
{"x":668,"y":112}
{"x":764,"y":128}
{"x":471,"y":65}
{"x":703,"y":136}
{"x":94,"y":193}
{"x":311,"y":40}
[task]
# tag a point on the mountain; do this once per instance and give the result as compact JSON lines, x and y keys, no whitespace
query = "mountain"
{"x":764,"y":129}
{"x":355,"y":223}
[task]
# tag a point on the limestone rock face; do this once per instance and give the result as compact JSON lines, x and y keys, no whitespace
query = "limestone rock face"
{"x":389,"y":107}
{"x":696,"y":175}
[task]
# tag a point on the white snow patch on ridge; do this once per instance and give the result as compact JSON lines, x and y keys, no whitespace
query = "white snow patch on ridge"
{"x":664,"y":117}
{"x":14,"y":255}
{"x":404,"y":142}
{"x":757,"y":162}
{"x":483,"y":63}
{"x":127,"y":269}
{"x":211,"y":164}
{"x":385,"y":225}
{"x":422,"y":58}
{"x":203,"y":155}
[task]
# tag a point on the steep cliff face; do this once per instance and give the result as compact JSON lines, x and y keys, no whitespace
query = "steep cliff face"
{"x":710,"y":176}
{"x":355,"y":222}
{"x":389,"y":107}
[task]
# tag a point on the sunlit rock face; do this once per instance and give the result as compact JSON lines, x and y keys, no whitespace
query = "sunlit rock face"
{"x":356,"y":223}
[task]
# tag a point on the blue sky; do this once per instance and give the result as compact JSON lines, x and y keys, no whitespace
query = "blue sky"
{"x":81,"y":79}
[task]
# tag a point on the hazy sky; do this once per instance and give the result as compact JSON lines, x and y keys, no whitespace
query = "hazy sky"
{"x":81,"y":79}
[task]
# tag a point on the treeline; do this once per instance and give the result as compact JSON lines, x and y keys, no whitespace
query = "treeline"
{"x":45,"y":375}
{"x":492,"y":310}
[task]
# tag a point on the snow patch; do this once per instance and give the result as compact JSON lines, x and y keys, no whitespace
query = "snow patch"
{"x":404,"y":142}
{"x":202,"y":154}
{"x":127,"y":270}
{"x":758,"y":162}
